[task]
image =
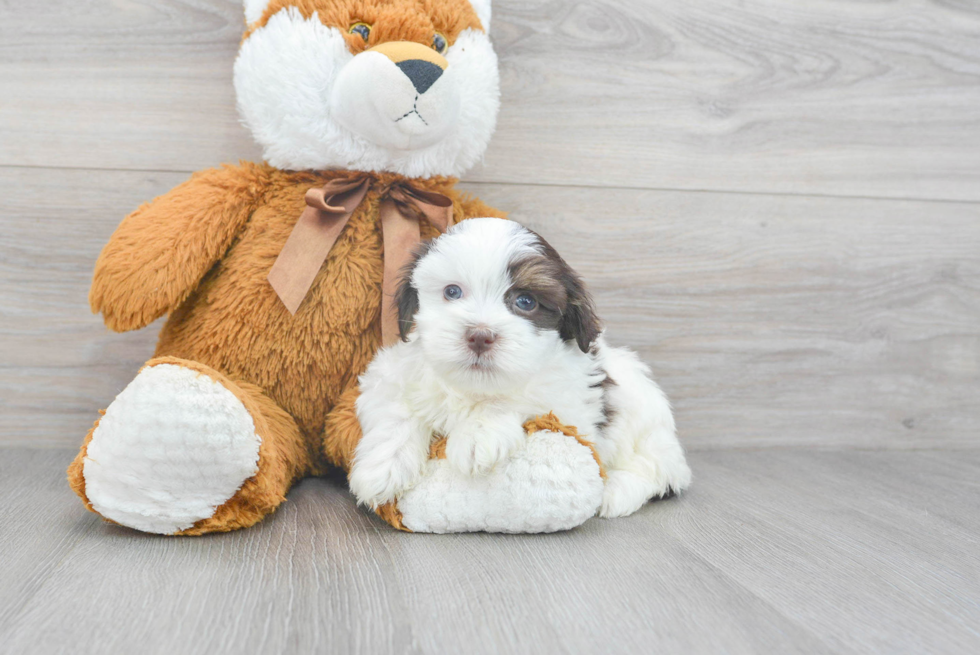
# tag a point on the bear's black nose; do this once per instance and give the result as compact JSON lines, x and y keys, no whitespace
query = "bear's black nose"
{"x":422,"y":73}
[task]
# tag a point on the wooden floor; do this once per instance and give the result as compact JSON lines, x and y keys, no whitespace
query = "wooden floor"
{"x":772,"y":551}
{"x":776,"y":203}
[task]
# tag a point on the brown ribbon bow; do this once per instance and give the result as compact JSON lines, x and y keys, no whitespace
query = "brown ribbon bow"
{"x":327,"y":211}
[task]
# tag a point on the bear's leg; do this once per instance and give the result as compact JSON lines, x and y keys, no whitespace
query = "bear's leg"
{"x":185,"y":450}
{"x":342,"y":431}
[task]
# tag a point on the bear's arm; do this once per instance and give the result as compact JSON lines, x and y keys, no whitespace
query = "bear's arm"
{"x":470,"y":207}
{"x":160,"y":252}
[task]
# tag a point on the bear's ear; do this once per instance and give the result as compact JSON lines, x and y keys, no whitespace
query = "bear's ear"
{"x":482,"y":9}
{"x":255,"y":8}
{"x":407,"y":296}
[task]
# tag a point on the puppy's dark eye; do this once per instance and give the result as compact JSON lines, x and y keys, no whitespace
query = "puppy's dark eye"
{"x":440,"y":44}
{"x":525,"y":302}
{"x":361,"y":28}
{"x":452,"y":292}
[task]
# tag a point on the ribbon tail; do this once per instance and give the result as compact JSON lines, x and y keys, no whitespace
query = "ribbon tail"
{"x":305,"y":251}
{"x":401,"y":236}
{"x":311,"y":240}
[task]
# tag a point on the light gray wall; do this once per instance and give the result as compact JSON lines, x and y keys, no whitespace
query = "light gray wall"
{"x":777,"y":203}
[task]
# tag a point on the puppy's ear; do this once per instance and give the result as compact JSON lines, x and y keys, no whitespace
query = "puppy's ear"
{"x":407,"y":296}
{"x":579,"y":320}
{"x":408,"y":304}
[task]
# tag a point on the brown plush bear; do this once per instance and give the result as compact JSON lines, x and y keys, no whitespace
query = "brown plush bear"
{"x":277,"y":277}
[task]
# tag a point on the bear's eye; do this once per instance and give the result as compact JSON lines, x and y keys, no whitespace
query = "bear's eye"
{"x":440,"y":44}
{"x":452,"y":292}
{"x":525,"y":302}
{"x":361,"y":28}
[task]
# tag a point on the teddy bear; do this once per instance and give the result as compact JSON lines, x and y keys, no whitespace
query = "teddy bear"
{"x":277,"y":279}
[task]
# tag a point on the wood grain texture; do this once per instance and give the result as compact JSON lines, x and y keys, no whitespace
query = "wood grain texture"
{"x":768,"y":320}
{"x":772,"y":317}
{"x":824,"y":97}
{"x":770,"y":552}
{"x":784,"y":320}
{"x":39,"y":525}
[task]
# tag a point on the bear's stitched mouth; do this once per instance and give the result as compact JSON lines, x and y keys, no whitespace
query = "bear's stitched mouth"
{"x":414,"y":110}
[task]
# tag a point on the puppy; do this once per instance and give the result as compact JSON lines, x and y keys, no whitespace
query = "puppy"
{"x":504,"y":330}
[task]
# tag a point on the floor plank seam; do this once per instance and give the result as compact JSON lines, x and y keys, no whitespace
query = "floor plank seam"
{"x":736,"y":192}
{"x":552,"y":185}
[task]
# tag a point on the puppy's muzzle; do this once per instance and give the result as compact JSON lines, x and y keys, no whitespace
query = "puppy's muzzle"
{"x":421,"y":65}
{"x":480,"y":340}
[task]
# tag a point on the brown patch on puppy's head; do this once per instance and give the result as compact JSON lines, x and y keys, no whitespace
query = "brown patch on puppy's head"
{"x":563,"y":302}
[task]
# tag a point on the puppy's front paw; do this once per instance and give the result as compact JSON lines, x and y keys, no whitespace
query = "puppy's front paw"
{"x":475,"y":448}
{"x":376,"y":480}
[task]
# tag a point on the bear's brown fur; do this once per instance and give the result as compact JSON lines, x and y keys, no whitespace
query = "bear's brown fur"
{"x":398,"y":20}
{"x":202,"y":253}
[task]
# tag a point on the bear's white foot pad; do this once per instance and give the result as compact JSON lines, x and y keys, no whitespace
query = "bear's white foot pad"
{"x":550,"y":484}
{"x":170,"y":449}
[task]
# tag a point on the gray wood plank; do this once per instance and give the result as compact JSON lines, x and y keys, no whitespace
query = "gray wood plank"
{"x":324,"y":576}
{"x":771,"y":551}
{"x":58,"y":362}
{"x":769,"y":320}
{"x":784,"y":320}
{"x":106,"y":84}
{"x":847,"y":544}
{"x":41,"y":523}
{"x":869,"y":99}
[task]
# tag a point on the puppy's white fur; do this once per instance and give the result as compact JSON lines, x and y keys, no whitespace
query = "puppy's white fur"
{"x":434,"y":384}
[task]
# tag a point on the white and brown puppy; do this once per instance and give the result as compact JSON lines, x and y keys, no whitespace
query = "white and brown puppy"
{"x":505,"y":331}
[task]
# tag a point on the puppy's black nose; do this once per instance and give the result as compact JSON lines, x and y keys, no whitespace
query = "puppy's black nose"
{"x":422,"y":73}
{"x":480,"y":340}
